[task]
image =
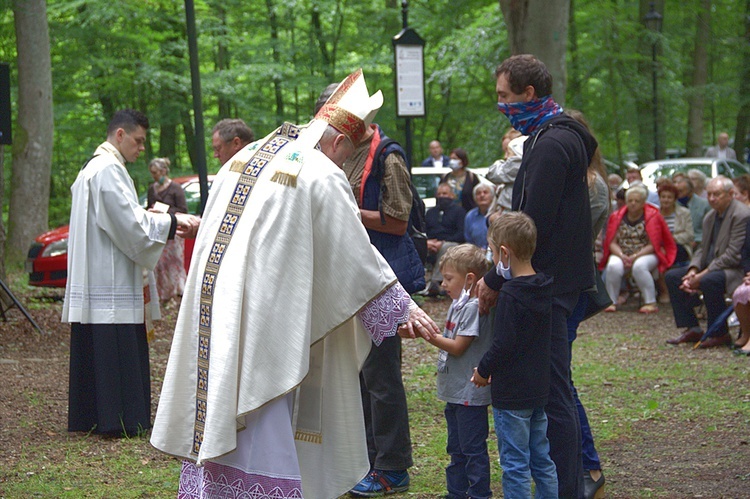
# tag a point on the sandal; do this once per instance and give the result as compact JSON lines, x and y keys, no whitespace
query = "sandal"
{"x":610,"y":309}
{"x":649,"y":308}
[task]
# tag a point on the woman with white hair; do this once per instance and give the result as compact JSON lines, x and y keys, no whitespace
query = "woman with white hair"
{"x":638,"y":241}
{"x":475,"y":223}
{"x":698,"y":178}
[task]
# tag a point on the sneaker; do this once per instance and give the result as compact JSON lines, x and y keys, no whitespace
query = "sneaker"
{"x":382,"y":482}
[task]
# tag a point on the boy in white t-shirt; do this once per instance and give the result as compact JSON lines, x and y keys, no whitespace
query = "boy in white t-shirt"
{"x":461,"y":347}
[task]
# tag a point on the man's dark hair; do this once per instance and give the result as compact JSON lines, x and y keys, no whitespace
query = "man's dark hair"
{"x":127,"y":119}
{"x":324,"y":96}
{"x":229,"y":128}
{"x":523,"y":70}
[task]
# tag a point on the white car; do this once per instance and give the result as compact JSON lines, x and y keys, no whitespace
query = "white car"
{"x":712,"y":167}
{"x":427,"y":178}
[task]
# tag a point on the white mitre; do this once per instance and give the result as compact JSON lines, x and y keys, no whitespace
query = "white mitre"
{"x":350,"y":109}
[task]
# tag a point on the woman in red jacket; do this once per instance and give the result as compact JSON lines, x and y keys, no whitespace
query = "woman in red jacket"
{"x":637,"y":242}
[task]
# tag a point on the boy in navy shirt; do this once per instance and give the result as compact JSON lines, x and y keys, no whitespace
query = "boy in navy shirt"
{"x":518,"y":362}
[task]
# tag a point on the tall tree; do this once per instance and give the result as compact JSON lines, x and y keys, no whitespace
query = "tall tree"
{"x":540,"y":27}
{"x":697,"y":91}
{"x":32,"y":148}
{"x":743,"y":116}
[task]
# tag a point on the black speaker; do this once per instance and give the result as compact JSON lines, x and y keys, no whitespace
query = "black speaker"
{"x":5,"y":124}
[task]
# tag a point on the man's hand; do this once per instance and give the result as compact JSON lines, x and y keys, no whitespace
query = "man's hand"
{"x":433,"y":245}
{"x":487,"y":297}
{"x":187,"y":225}
{"x":691,"y":281}
{"x":419,"y":323}
{"x":478,"y":380}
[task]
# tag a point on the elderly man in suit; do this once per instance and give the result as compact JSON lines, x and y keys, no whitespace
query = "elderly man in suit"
{"x":715,"y":268}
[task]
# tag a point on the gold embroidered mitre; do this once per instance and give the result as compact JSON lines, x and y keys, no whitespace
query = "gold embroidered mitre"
{"x":351,"y":108}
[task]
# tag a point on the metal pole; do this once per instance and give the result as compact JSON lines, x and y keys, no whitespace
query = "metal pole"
{"x":656,"y":105}
{"x":195,"y":77}
{"x":405,"y":24}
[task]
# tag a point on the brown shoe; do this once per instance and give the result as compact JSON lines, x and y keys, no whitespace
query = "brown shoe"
{"x":716,"y":341}
{"x":687,"y":336}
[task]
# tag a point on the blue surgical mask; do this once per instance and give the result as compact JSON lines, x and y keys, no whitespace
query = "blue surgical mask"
{"x":162,"y":179}
{"x":504,"y":271}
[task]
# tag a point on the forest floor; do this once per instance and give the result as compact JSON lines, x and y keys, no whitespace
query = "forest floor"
{"x":669,"y":421}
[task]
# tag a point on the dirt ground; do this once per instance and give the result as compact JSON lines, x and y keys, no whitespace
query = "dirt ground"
{"x":659,"y":457}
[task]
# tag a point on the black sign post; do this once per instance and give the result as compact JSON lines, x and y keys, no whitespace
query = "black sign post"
{"x":409,"y":63}
{"x":6,"y":138}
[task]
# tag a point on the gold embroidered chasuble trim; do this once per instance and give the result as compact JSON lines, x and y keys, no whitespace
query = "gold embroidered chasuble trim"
{"x":262,"y":155}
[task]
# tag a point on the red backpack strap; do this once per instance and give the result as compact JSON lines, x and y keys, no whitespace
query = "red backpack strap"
{"x":368,"y":163}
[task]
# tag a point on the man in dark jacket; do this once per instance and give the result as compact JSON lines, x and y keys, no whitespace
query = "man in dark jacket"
{"x":445,"y":228}
{"x":381,"y":187}
{"x":551,"y":188}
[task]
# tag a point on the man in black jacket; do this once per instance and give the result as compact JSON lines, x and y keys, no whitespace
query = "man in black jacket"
{"x":551,"y":188}
{"x":445,"y":228}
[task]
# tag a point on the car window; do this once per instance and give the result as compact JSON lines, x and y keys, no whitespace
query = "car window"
{"x":426,"y":185}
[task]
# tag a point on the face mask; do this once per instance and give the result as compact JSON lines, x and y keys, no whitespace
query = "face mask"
{"x":504,"y":271}
{"x":463,"y":298}
{"x":443,"y":203}
{"x":526,"y":117}
{"x":454,"y":164}
{"x":162,"y":179}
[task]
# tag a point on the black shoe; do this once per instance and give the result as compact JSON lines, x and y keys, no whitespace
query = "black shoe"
{"x":592,"y":489}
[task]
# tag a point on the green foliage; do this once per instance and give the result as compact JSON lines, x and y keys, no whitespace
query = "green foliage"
{"x":267,"y":62}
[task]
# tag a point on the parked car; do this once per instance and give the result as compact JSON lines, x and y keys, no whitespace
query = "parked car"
{"x":47,"y":260}
{"x":427,"y":178}
{"x":712,"y":167}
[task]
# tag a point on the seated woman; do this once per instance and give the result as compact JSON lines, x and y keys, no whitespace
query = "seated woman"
{"x":742,"y":189}
{"x":475,"y":223}
{"x":637,"y":241}
{"x":680,"y":224}
{"x":461,"y":180}
{"x":741,"y":300}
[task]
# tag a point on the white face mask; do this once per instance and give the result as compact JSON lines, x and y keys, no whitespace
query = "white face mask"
{"x":504,"y":271}
{"x":454,"y":164}
{"x":463,"y":298}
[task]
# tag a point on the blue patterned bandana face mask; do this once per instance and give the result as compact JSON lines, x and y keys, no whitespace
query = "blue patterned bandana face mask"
{"x":526,"y":117}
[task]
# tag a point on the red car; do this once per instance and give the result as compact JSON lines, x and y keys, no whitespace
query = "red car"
{"x":47,"y":260}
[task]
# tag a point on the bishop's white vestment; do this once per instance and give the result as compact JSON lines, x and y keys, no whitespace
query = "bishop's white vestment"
{"x":261,"y":395}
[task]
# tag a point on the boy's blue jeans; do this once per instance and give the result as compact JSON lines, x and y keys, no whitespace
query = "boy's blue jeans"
{"x":524,"y":453}
{"x":468,"y":474}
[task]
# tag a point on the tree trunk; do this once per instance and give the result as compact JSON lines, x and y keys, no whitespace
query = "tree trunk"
{"x":222,"y":58}
{"x":574,"y":76}
{"x":743,"y":116}
{"x":32,"y":149}
{"x":540,"y":27}
{"x":274,"y":25}
{"x":697,"y":92}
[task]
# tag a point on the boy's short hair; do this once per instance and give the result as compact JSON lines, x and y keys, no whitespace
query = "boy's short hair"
{"x":465,"y":258}
{"x":517,"y":231}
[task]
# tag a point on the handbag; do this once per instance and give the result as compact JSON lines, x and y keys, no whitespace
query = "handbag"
{"x":598,"y":298}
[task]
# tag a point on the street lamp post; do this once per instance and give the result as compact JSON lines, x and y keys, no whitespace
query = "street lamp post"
{"x":653,"y":22}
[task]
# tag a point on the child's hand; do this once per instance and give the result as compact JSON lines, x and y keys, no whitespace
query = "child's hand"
{"x":478,"y":380}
